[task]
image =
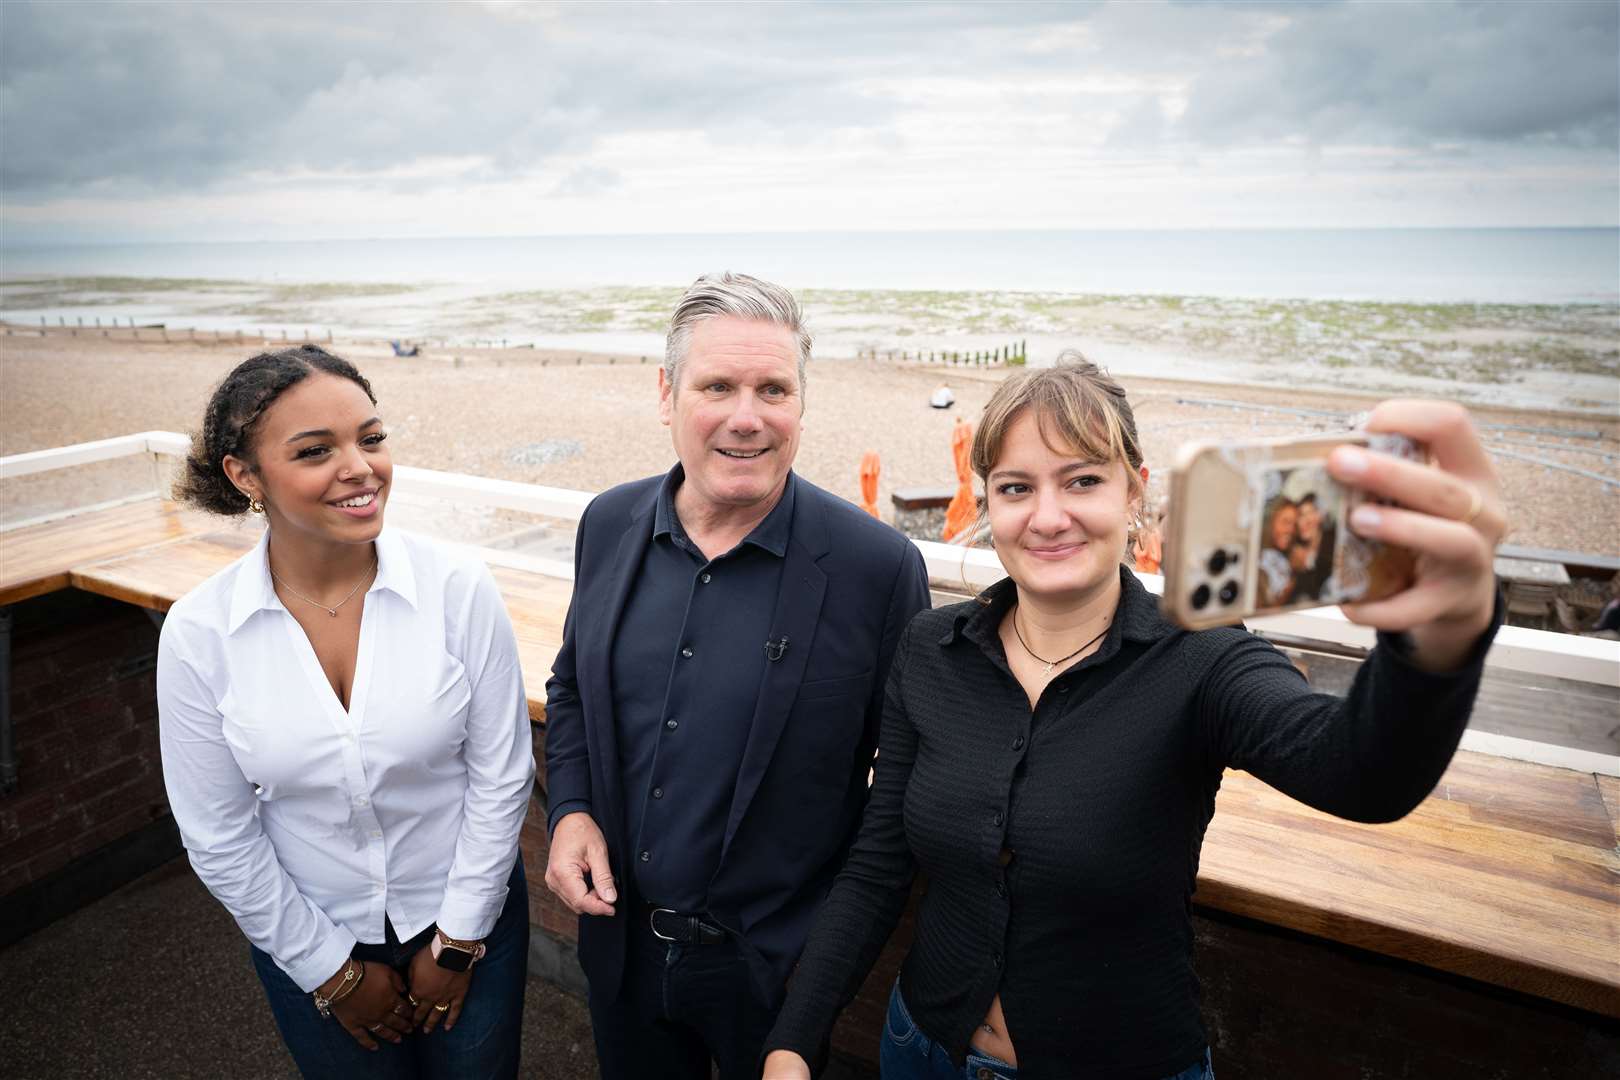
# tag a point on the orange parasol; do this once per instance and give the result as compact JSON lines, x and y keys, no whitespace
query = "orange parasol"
{"x":1149,"y":551}
{"x":869,"y":481}
{"x":963,"y":510}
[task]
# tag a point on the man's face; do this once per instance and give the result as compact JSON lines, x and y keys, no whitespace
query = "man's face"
{"x":1310,"y":522}
{"x":734,"y":418}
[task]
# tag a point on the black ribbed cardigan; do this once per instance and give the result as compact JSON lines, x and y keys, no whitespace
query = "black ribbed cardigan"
{"x":1102,"y":795}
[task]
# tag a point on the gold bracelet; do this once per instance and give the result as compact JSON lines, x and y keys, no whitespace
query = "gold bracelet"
{"x":359,"y":978}
{"x":353,"y":973}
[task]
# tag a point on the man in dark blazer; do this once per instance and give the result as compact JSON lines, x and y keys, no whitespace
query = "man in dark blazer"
{"x":712,"y":714}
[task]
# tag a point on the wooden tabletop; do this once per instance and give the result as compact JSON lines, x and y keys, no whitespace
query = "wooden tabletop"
{"x":1508,"y":873}
{"x":37,"y":559}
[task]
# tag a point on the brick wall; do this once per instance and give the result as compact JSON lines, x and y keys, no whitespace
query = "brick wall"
{"x":84,"y":711}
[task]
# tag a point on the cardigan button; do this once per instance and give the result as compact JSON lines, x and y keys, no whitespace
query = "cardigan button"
{"x":998,"y":819}
{"x":1018,"y":742}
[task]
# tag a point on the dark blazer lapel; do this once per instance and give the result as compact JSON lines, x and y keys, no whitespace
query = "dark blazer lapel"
{"x":595,"y":660}
{"x":798,"y":612}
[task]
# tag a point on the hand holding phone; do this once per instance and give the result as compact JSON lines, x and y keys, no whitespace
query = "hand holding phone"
{"x":1397,"y":522}
{"x":1261,"y":527}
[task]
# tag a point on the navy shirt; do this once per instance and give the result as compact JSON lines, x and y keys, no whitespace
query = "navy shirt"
{"x":688,"y":657}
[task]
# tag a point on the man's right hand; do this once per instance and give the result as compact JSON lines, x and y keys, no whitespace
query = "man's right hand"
{"x":785,"y":1065}
{"x":578,"y":848}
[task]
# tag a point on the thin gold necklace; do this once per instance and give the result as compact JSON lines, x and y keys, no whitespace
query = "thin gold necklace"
{"x":1050,"y":664}
{"x":332,"y":611}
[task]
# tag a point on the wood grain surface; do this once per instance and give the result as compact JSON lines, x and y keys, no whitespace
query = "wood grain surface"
{"x":37,"y":559}
{"x":1508,"y":873}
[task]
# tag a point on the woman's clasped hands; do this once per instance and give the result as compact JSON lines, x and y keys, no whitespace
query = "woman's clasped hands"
{"x":383,"y":1006}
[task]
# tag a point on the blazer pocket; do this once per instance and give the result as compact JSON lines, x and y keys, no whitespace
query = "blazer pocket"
{"x":844,"y":686}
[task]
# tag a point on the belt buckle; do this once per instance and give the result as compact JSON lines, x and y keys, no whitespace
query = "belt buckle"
{"x":652,"y":922}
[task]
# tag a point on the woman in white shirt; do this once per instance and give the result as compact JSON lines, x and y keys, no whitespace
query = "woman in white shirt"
{"x":346,"y":741}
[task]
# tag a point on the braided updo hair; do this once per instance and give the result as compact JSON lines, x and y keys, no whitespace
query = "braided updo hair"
{"x":237,"y":403}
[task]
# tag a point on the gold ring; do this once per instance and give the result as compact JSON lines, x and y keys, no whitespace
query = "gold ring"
{"x":442,"y":1008}
{"x":1475,"y":505}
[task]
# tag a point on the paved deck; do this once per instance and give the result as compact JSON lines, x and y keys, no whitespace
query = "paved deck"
{"x":154,"y":981}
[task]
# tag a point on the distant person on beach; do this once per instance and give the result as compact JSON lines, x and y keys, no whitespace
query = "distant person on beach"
{"x":1051,"y":750}
{"x":711,"y":715}
{"x":1277,"y":536}
{"x":942,"y":398}
{"x":346,"y":741}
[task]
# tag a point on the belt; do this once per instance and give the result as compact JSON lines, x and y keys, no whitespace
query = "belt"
{"x":671,"y":925}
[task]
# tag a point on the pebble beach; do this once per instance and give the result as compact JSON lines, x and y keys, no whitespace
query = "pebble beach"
{"x":588,"y":422}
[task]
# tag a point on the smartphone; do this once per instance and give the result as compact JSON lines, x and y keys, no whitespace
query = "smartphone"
{"x":1257,"y":528}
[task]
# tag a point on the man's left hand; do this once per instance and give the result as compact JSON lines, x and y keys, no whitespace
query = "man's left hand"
{"x":430,"y":986}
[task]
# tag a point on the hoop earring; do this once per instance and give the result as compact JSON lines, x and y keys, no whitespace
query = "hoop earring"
{"x":256,"y":506}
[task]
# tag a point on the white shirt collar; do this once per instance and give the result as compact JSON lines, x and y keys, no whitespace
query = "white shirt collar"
{"x":255,"y":591}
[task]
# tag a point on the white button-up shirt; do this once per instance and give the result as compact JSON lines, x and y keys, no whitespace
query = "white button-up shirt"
{"x":311,"y":823}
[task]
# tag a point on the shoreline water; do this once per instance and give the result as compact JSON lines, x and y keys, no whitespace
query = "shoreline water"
{"x":1549,"y":356}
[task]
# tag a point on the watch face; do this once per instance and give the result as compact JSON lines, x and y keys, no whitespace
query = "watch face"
{"x":454,"y":959}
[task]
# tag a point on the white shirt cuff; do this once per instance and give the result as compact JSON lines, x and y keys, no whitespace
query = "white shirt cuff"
{"x":324,"y":962}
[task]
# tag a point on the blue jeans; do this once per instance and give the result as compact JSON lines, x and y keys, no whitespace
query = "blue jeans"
{"x":907,"y":1053}
{"x":485,"y":1042}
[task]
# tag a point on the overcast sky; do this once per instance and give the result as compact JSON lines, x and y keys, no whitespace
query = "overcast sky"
{"x":285,"y":121}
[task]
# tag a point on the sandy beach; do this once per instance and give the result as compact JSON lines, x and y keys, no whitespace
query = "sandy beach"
{"x":543,"y":417}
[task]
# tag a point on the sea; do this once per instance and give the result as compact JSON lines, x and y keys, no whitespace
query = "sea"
{"x":1412,"y":265}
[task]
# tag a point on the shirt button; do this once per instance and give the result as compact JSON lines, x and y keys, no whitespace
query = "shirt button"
{"x":996,"y":959}
{"x":985,"y":1073}
{"x":686,"y":651}
{"x":1001,"y":889}
{"x":1018,"y":742}
{"x":376,"y":834}
{"x":361,"y":801}
{"x":705,"y":577}
{"x":999,"y":818}
{"x":646,"y":856}
{"x":658,"y":793}
{"x":672,"y":724}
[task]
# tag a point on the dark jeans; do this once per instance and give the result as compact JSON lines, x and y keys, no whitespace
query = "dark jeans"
{"x":484,"y":1044}
{"x":680,"y":1007}
{"x":906,"y":1053}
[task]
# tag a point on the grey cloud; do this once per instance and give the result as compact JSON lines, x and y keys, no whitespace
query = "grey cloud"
{"x":1545,"y":73}
{"x":119,"y":99}
{"x":178,"y":97}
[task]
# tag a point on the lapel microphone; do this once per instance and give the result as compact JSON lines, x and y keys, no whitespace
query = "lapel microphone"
{"x":775,"y":649}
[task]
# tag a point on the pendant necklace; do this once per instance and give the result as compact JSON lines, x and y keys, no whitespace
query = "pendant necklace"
{"x":332,"y":611}
{"x":1050,"y":664}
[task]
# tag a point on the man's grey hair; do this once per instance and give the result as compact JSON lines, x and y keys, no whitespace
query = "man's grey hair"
{"x":738,"y":295}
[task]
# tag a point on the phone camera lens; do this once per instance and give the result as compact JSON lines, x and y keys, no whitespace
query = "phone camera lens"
{"x":1229,"y":593}
{"x":1217,"y":562}
{"x":1200,"y":598}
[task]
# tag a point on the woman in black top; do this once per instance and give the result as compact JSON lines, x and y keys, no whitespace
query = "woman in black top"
{"x":1050,"y":753}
